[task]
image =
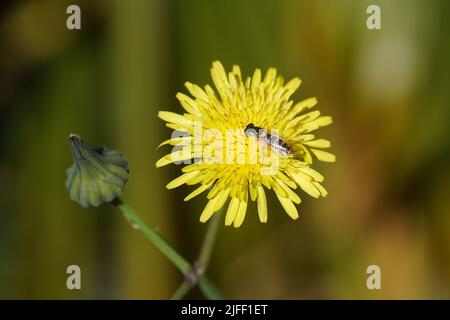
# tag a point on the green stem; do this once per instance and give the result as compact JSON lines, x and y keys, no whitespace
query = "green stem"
{"x":196,"y":275}
{"x":208,"y":243}
{"x":182,"y":290}
{"x":209,"y":289}
{"x":154,"y":238}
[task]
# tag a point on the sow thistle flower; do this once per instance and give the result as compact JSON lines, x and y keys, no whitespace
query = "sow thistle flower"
{"x":246,"y":136}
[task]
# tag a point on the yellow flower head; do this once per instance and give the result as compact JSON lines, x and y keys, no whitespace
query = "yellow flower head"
{"x":247,"y":136}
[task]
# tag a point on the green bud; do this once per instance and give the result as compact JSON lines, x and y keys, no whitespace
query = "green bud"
{"x":97,"y":175}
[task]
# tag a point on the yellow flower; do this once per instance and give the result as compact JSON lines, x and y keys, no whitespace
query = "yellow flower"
{"x":229,"y":160}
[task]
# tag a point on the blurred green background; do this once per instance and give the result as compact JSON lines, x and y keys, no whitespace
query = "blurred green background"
{"x":387,"y":90}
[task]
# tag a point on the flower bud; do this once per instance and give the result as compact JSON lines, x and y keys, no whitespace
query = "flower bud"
{"x":97,"y":175}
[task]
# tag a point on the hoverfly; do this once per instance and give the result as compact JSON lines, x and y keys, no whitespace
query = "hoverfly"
{"x":272,"y":140}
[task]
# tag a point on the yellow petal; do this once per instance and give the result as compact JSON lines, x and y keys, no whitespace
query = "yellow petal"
{"x":205,"y":177}
{"x":281,"y":176}
{"x":292,"y":195}
{"x":323,"y":155}
{"x":253,"y":191}
{"x":288,"y":206}
{"x":208,"y":211}
{"x":179,"y":155}
{"x":219,"y":76}
{"x":197,"y":191}
{"x":196,"y":91}
{"x":322,"y":190}
{"x":185,"y":177}
{"x":270,"y":76}
{"x":308,"y":117}
{"x":291,"y":87}
{"x":319,"y":143}
{"x":304,"y":151}
{"x":279,"y":190}
{"x":237,"y":71}
{"x":175,"y":118}
{"x":194,"y":167}
{"x":305,"y":182}
{"x":217,"y":65}
{"x":312,"y":173}
{"x":262,"y":204}
{"x":180,"y":128}
{"x":240,"y":214}
{"x":305,"y":137}
{"x":232,"y":81}
{"x":317,"y":123}
{"x":256,"y":80}
{"x":188,"y":103}
{"x":232,"y":211}
{"x":221,"y":199}
{"x":180,"y":141}
{"x":293,"y":84}
{"x":302,"y":105}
